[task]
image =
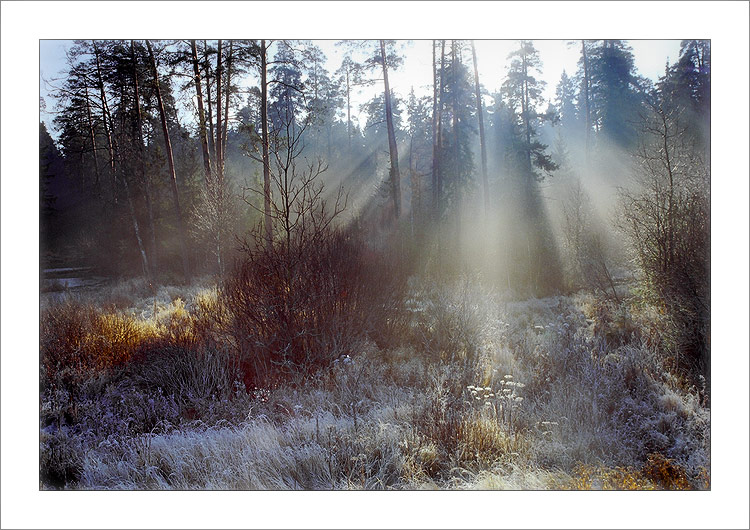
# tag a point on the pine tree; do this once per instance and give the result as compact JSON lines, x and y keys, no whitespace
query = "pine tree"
{"x":537,"y":266}
{"x":482,"y":140}
{"x":419,"y":135}
{"x":523,"y":92}
{"x":565,"y":104}
{"x":286,"y":98}
{"x":686,"y":86}
{"x":458,"y":134}
{"x":614,"y":98}
{"x":323,"y":98}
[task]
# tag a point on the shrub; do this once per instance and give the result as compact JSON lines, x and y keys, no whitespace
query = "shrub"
{"x":210,"y":318}
{"x":295,"y":308}
{"x":613,"y":323}
{"x":657,"y":473}
{"x":446,"y":323}
{"x":60,"y":459}
{"x":587,"y":477}
{"x":187,"y":374}
{"x":385,"y":285}
{"x":667,"y":219}
{"x":666,"y":473}
{"x":78,"y":340}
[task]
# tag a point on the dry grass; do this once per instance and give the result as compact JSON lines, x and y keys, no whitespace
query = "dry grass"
{"x":77,"y":340}
{"x":658,"y":473}
{"x":513,"y":395}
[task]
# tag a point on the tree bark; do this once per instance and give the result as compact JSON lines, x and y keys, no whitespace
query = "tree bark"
{"x":142,"y":161}
{"x":105,"y":116}
{"x":435,"y":151}
{"x":392,"y":148}
{"x":440,"y":130}
{"x":93,"y":141}
{"x":118,"y":167}
{"x":136,"y":229}
{"x":227,"y":93}
{"x":172,"y":173}
{"x":211,"y":137}
{"x":264,"y":140}
{"x":219,"y":133}
{"x":525,"y":108}
{"x":456,"y":145}
{"x":219,"y":157}
{"x":348,"y":109}
{"x":586,"y":99}
{"x":483,"y":146}
{"x":414,"y":181}
{"x":201,"y":115}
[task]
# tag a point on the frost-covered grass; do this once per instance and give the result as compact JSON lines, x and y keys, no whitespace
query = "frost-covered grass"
{"x":480,"y":393}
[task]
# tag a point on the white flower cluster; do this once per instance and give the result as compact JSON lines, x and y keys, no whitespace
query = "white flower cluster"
{"x":481,"y":393}
{"x":507,"y":392}
{"x":510,"y":387}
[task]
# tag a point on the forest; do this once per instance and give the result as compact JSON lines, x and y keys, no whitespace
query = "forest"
{"x":253,"y":278}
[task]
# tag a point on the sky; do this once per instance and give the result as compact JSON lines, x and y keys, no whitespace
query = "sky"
{"x":650,"y":56}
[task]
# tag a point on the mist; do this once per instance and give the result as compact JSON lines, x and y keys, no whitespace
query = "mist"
{"x":355,"y":156}
{"x":273,"y":252}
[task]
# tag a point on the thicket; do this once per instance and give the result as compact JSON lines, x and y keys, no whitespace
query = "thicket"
{"x":295,"y":309}
{"x":666,"y":215}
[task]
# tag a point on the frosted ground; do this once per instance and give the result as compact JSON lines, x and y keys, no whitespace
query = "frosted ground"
{"x":480,"y":392}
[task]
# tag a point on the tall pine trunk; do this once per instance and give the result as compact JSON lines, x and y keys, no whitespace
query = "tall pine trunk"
{"x":211,"y":137}
{"x":172,"y":173}
{"x":227,"y":93}
{"x":219,"y":133}
{"x":482,"y":145}
{"x":201,"y":114}
{"x":586,"y":99}
{"x":525,"y":110}
{"x":105,"y":116}
{"x":456,"y":145}
{"x":438,"y":158}
{"x":440,"y":131}
{"x":219,"y":191}
{"x":435,"y":152}
{"x":348,"y":109}
{"x":264,"y":140}
{"x":118,"y":170}
{"x":137,"y":230}
{"x":392,"y":149}
{"x":142,"y":160}
{"x":97,"y":184}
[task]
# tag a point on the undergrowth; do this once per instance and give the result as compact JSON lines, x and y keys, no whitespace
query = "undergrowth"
{"x":451,"y":386}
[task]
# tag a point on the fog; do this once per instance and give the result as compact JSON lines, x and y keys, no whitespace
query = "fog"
{"x":558,"y":153}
